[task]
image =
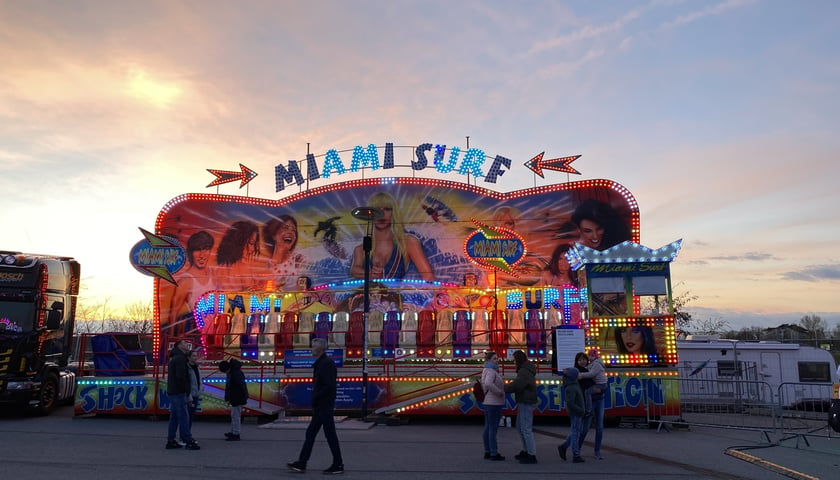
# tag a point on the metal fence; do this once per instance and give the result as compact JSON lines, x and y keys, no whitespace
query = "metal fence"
{"x":791,"y":409}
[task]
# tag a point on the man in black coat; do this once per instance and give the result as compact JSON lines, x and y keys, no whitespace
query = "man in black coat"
{"x":324,"y":384}
{"x":178,"y":391}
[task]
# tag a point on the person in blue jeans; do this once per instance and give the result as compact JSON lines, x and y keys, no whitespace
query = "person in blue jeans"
{"x":597,"y":398}
{"x":524,"y":388}
{"x":494,"y":400}
{"x":178,"y":390}
{"x":576,"y":407}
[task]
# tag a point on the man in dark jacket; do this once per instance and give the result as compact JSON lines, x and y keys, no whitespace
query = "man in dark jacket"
{"x":178,"y":389}
{"x":324,"y":385}
{"x":236,"y":394}
{"x":524,"y":389}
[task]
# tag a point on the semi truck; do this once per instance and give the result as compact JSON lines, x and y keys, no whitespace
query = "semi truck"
{"x":38,"y":296}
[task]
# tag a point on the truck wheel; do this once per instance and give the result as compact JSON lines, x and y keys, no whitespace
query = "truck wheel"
{"x":48,"y":398}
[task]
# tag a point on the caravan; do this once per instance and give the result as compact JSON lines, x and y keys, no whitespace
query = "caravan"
{"x":720,"y":371}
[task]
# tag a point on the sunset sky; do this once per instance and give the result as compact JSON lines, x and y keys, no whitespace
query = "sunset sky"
{"x":721,"y":117}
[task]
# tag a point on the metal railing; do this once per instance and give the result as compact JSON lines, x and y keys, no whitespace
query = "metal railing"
{"x":791,"y":409}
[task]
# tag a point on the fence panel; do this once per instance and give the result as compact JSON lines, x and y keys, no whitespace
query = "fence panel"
{"x":746,"y":405}
{"x":804,"y":409}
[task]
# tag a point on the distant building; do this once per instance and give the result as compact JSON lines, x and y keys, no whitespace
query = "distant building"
{"x":787,"y":333}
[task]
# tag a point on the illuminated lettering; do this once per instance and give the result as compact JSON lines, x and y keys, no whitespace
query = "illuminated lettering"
{"x":282,"y":175}
{"x":420,"y":161}
{"x":364,"y":158}
{"x":496,"y":169}
{"x":332,"y":161}
{"x":367,"y":157}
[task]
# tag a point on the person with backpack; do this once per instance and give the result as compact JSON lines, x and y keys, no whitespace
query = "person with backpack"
{"x":236,"y":394}
{"x":494,"y":399}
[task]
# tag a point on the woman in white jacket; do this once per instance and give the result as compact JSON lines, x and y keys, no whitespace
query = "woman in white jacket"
{"x":494,"y":400}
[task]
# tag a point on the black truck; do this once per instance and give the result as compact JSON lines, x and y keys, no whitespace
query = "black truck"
{"x":38,"y":296}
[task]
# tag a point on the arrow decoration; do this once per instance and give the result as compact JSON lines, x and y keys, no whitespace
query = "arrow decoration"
{"x":561,"y":164}
{"x":245,"y":175}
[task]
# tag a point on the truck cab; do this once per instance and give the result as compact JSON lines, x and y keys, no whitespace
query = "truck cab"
{"x":38,"y":296}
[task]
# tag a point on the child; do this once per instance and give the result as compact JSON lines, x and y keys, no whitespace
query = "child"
{"x":236,"y":394}
{"x":576,"y":408}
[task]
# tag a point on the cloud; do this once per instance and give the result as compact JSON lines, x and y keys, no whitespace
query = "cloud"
{"x":814,"y":273}
{"x":588,"y":32}
{"x":712,"y":10}
{"x":738,"y":319}
{"x":749,"y":256}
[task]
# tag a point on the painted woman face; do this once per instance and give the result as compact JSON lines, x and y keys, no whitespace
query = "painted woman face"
{"x":633,"y":339}
{"x":384,"y":223}
{"x":563,"y":264}
{"x":591,"y":234}
{"x":286,"y":236}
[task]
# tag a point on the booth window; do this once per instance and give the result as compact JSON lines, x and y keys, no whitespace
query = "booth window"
{"x":608,"y":298}
{"x":652,"y":293}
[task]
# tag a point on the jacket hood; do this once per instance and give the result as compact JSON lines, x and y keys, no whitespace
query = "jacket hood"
{"x":529,"y":366}
{"x":235,"y":364}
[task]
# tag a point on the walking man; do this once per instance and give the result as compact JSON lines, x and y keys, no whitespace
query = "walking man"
{"x":323,"y":408}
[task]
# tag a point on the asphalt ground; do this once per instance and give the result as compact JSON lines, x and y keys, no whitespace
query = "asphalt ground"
{"x":68,"y":447}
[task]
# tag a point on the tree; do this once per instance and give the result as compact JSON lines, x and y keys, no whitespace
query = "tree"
{"x":140,"y":317}
{"x":680,"y":302}
{"x":710,"y":326}
{"x":815,"y":326}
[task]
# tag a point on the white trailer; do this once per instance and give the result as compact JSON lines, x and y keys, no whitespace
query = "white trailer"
{"x":765,"y":373}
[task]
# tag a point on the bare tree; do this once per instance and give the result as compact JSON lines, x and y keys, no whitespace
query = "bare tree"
{"x":815,"y":326}
{"x":835,"y":333}
{"x":680,"y":302}
{"x":711,"y":326}
{"x":89,"y":326}
{"x":139,"y":316}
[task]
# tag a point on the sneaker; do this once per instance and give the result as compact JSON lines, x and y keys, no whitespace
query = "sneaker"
{"x":528,"y":459}
{"x":561,"y":449}
{"x":487,"y":455}
{"x":192,"y":445}
{"x":520,"y":455}
{"x":297,"y":466}
{"x":334,"y":470}
{"x":497,"y":457}
{"x":232,"y":438}
{"x":228,"y":434}
{"x":577,"y":459}
{"x":172,"y":444}
{"x":181,"y":442}
{"x":599,"y":456}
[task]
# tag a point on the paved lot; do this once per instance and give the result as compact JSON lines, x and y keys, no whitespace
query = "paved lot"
{"x":61,"y":446}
